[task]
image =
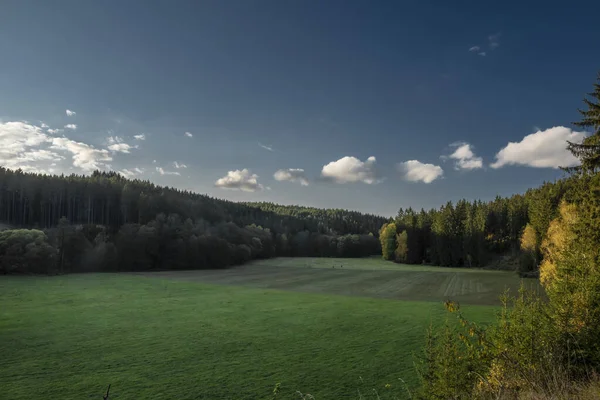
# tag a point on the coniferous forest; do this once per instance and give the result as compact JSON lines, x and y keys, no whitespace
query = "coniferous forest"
{"x":107,"y":222}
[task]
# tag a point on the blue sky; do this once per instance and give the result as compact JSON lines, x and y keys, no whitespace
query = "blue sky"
{"x":364,"y":105}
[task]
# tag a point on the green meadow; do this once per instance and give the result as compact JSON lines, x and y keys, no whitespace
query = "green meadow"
{"x":333,"y":328}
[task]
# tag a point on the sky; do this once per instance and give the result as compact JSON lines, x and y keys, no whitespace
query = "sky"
{"x":362,"y":105}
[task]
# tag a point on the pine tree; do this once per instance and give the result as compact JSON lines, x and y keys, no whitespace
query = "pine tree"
{"x":588,"y":151}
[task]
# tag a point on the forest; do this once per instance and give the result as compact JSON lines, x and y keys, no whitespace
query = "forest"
{"x":477,"y":234}
{"x":104,"y":222}
{"x":109,"y":223}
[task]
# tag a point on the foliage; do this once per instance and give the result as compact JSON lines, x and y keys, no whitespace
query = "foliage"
{"x":570,"y":273}
{"x":401,"y":252}
{"x":529,"y":255}
{"x":104,"y":222}
{"x":387,"y":237}
{"x":26,"y":251}
{"x":588,"y":151}
{"x":463,"y":235}
{"x":518,"y":353}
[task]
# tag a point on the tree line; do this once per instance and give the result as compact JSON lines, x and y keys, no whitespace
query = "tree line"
{"x":105,"y":222}
{"x":475,"y":234}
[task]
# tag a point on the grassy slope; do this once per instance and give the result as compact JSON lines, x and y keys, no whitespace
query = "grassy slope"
{"x":68,"y":337}
{"x":368,"y":263}
{"x":363,"y":277}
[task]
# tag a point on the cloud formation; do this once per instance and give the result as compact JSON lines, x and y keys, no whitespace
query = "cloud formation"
{"x":131,"y":173}
{"x":161,"y":171}
{"x":139,"y":137}
{"x":291,"y":175}
{"x":465,"y":157}
{"x":475,"y":49}
{"x":416,"y":171}
{"x":541,"y":149}
{"x":117,"y":145}
{"x":240,"y":180}
{"x":189,"y":134}
{"x":28,"y":147}
{"x":351,"y":169}
{"x":84,"y":156}
{"x":19,"y":147}
{"x":70,"y":113}
{"x":71,"y":126}
{"x":270,"y":148}
{"x":178,"y":166}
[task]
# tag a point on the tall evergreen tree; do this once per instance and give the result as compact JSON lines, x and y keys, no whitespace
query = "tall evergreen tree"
{"x":588,"y":151}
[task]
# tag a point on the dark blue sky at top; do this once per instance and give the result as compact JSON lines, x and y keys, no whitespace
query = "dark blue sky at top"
{"x":316,"y":80}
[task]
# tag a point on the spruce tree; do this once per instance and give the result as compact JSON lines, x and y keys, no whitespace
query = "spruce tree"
{"x":589,"y":150}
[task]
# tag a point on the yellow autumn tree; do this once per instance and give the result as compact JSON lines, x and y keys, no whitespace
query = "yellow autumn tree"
{"x":529,"y":248}
{"x":556,"y":246}
{"x":570,"y":274}
{"x":401,"y":247}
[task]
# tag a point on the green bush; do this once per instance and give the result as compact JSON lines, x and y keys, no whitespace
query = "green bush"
{"x":523,"y":352}
{"x":26,"y":251}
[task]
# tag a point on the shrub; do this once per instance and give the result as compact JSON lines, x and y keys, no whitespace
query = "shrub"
{"x":26,"y":251}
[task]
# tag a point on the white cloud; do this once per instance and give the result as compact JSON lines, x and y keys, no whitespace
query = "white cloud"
{"x":116,"y":145}
{"x":464,"y":156}
{"x":71,"y":126}
{"x":131,"y":173}
{"x":416,"y":171}
{"x":85,"y":156}
{"x":494,"y":40}
{"x":270,"y":148}
{"x":475,"y":49}
{"x":542,"y":149}
{"x":351,"y":169}
{"x":28,"y":147}
{"x":44,"y":126}
{"x":153,"y":161}
{"x":19,"y":146}
{"x":120,"y":147}
{"x":178,"y":166}
{"x":189,"y":134}
{"x":114,"y":139}
{"x":161,"y":171}
{"x":139,"y":137}
{"x":40,"y":155}
{"x":292,"y":175}
{"x":240,"y":180}
{"x":482,"y":54}
{"x":70,"y":113}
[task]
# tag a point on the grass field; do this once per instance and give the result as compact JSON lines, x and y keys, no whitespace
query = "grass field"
{"x":172,"y":336}
{"x":367,"y":277}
